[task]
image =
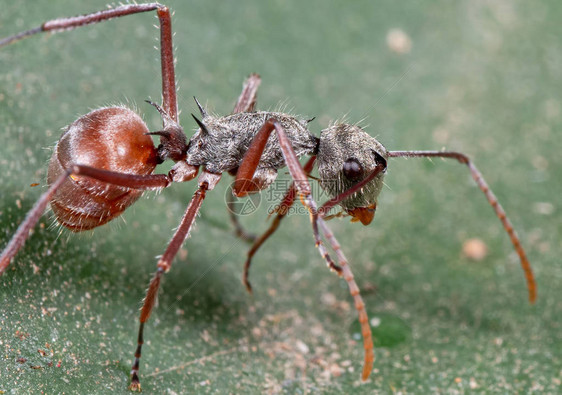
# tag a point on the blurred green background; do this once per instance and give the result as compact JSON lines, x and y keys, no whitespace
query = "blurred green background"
{"x":478,"y":77}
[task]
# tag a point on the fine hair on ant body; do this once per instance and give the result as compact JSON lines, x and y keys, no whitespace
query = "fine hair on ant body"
{"x":105,"y":160}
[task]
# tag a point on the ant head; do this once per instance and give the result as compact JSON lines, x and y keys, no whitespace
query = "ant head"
{"x":347,"y":155}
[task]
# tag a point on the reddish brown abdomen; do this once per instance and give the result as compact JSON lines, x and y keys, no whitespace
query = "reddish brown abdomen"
{"x":110,"y":139}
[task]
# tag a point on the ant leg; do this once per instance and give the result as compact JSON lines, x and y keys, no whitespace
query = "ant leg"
{"x":368,"y":345}
{"x":246,"y":103}
{"x":248,"y":97}
{"x":238,"y":228}
{"x":207,"y":181}
{"x":244,"y":182}
{"x":303,"y":188}
{"x":151,"y":181}
{"x":492,"y":199}
{"x":166,"y":49}
{"x":281,"y":212}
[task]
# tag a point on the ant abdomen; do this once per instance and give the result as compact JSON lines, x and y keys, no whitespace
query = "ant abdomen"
{"x":114,"y":139}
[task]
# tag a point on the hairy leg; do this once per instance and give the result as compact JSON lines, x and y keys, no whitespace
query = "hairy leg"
{"x":152,"y":181}
{"x":281,"y":211}
{"x":207,"y":181}
{"x":302,"y":186}
{"x":166,"y":48}
{"x":246,"y":103}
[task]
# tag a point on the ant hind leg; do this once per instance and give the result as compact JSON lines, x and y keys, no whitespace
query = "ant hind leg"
{"x":169,"y":100}
{"x":151,"y":181}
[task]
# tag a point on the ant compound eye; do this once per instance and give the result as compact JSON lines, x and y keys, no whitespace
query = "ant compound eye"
{"x":352,"y":169}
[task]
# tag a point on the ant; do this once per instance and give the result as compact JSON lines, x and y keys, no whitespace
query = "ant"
{"x":105,"y":160}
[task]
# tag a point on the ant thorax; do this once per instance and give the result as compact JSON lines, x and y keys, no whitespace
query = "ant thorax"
{"x":347,"y":155}
{"x":220,"y":143}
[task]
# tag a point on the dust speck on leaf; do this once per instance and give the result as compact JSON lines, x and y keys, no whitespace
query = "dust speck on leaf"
{"x":475,"y":249}
{"x":398,"y":41}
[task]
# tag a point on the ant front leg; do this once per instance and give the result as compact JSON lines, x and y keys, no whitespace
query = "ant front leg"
{"x":133,"y":181}
{"x":247,"y":168}
{"x":169,"y":100}
{"x":247,"y":178}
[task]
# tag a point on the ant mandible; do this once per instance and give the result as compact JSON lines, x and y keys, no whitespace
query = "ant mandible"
{"x":105,"y":160}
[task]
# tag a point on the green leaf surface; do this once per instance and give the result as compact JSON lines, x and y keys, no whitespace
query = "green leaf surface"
{"x":480,"y":77}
